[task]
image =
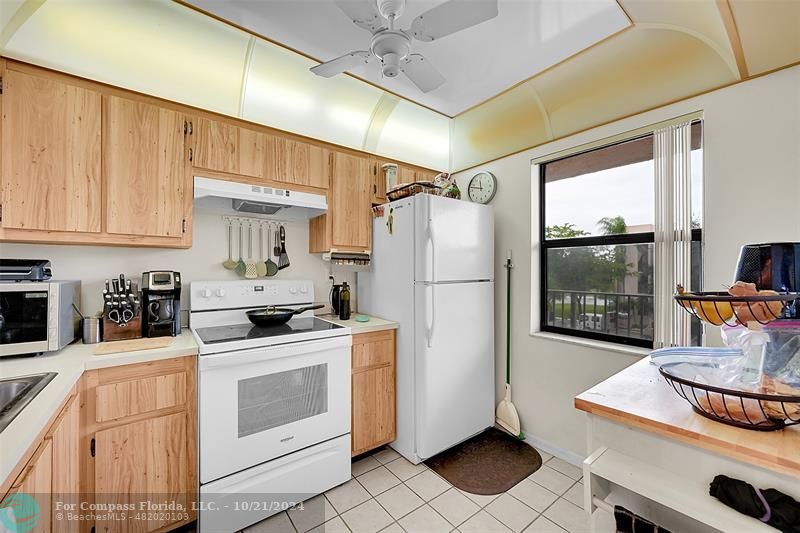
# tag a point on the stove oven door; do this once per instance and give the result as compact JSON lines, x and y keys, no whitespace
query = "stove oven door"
{"x":260,"y":404}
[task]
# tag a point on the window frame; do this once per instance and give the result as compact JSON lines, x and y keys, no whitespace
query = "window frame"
{"x":582,"y":242}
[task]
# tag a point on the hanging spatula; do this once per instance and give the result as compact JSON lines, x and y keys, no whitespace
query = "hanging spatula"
{"x":261,"y":266}
{"x":250,"y":269}
{"x":272,"y":266}
{"x":283,"y":260}
{"x":230,"y":263}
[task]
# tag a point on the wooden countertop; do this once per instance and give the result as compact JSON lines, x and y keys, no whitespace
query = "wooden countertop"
{"x":640,"y":397}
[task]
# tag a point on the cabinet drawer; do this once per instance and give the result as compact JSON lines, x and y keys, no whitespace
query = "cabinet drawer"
{"x":133,"y":397}
{"x":373,"y":350}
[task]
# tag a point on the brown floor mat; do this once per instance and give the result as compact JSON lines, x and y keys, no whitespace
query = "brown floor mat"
{"x":489,"y":463}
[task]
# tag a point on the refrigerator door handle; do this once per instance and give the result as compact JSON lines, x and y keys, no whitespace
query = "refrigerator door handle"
{"x":429,"y":332}
{"x":433,"y":244}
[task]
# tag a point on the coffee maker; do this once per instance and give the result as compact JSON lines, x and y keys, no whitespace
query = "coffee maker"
{"x":161,"y":303}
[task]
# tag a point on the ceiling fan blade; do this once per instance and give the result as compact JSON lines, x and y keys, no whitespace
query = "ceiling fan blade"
{"x":452,"y":16}
{"x":422,"y":73}
{"x":363,"y":13}
{"x":342,"y":64}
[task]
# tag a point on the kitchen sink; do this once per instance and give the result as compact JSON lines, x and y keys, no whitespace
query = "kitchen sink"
{"x":17,"y":392}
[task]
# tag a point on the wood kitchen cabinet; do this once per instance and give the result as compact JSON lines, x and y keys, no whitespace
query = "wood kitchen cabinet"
{"x":66,"y":463}
{"x":51,"y":474}
{"x":140,"y":420}
{"x":407,"y":174}
{"x":258,"y":156}
{"x":373,"y":421}
{"x":84,"y":164}
{"x":348,"y":223}
{"x":35,"y":481}
{"x":224,"y":147}
{"x":378,"y":192}
{"x":51,"y":174}
{"x":144,"y":150}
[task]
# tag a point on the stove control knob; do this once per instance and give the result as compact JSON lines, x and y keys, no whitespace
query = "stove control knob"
{"x":205,"y":293}
{"x":304,"y":289}
{"x":220,"y":292}
{"x":292,"y":290}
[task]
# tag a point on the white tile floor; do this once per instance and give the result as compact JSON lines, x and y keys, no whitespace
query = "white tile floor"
{"x":390,"y":495}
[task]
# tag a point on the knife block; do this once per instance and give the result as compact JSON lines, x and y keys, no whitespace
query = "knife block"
{"x":115,"y":332}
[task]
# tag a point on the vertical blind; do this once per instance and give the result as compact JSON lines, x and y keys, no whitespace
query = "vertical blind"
{"x":672,"y":148}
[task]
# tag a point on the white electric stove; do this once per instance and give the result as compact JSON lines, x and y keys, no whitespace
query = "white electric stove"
{"x":273,"y":402}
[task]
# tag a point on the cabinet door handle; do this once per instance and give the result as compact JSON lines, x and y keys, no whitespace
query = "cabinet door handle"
{"x":191,"y":154}
{"x":191,"y":127}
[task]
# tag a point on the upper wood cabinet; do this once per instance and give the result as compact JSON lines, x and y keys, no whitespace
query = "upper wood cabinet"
{"x":143,"y":159}
{"x":348,"y":223}
{"x":224,"y":147}
{"x":407,"y":174}
{"x":378,"y":192}
{"x":51,"y":173}
{"x":300,"y":163}
{"x":349,"y":202}
{"x":216,"y":146}
{"x":83,"y":164}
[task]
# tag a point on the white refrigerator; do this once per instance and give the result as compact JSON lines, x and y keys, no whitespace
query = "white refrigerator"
{"x":432,"y":271}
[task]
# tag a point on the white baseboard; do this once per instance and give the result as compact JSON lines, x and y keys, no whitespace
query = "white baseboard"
{"x":556,"y":451}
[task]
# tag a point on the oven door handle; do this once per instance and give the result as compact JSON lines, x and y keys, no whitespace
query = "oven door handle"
{"x":253,"y":356}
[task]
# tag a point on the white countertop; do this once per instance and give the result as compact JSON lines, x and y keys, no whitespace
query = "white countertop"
{"x":374,"y":323}
{"x":70,"y":364}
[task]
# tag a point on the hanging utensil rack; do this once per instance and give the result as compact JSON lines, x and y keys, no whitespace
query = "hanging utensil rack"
{"x":271,"y":224}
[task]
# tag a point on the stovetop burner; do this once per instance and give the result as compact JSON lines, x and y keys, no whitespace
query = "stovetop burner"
{"x":241,"y":332}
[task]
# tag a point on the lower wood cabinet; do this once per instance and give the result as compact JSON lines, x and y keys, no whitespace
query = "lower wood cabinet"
{"x":127,"y":435}
{"x":373,"y":390}
{"x":66,"y":464}
{"x":36,"y":482}
{"x":144,"y":461}
{"x":140,"y":421}
{"x":51,"y":475}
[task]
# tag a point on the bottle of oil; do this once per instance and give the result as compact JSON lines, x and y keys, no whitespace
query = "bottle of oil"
{"x":344,"y":302}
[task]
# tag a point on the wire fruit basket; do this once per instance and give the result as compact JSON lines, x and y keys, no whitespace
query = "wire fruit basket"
{"x":404,"y":191}
{"x":720,"y":308}
{"x":749,"y":410}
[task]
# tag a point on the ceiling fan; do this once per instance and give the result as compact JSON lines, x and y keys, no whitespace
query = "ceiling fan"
{"x":393,"y":46}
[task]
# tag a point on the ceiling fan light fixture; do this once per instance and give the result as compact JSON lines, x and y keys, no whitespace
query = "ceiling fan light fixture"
{"x":391,"y":65}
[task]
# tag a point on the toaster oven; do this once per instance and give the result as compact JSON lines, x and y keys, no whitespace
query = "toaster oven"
{"x":37,"y":316}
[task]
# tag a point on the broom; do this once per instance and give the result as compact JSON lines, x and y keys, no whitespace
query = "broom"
{"x":506,"y":414}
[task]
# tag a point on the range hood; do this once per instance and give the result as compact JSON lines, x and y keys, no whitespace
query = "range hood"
{"x":257,"y":199}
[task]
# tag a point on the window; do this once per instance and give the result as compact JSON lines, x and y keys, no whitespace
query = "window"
{"x":597,"y":235}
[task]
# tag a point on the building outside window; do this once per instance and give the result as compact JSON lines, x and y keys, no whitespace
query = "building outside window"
{"x":597,"y":234}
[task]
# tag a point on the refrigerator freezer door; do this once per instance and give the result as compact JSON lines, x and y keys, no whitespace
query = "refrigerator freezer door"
{"x":454,"y":240}
{"x":454,"y":340}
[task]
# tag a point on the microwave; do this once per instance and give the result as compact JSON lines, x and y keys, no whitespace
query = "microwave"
{"x":38,"y":316}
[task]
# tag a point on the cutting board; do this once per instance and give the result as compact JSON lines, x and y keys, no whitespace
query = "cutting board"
{"x":132,"y":345}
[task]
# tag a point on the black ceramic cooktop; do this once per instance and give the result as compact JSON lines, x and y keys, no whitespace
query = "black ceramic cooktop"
{"x":241,"y":332}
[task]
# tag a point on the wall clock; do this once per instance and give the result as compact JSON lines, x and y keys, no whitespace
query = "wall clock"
{"x":482,"y":187}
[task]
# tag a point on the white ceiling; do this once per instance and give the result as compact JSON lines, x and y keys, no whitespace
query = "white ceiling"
{"x":527,"y":36}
